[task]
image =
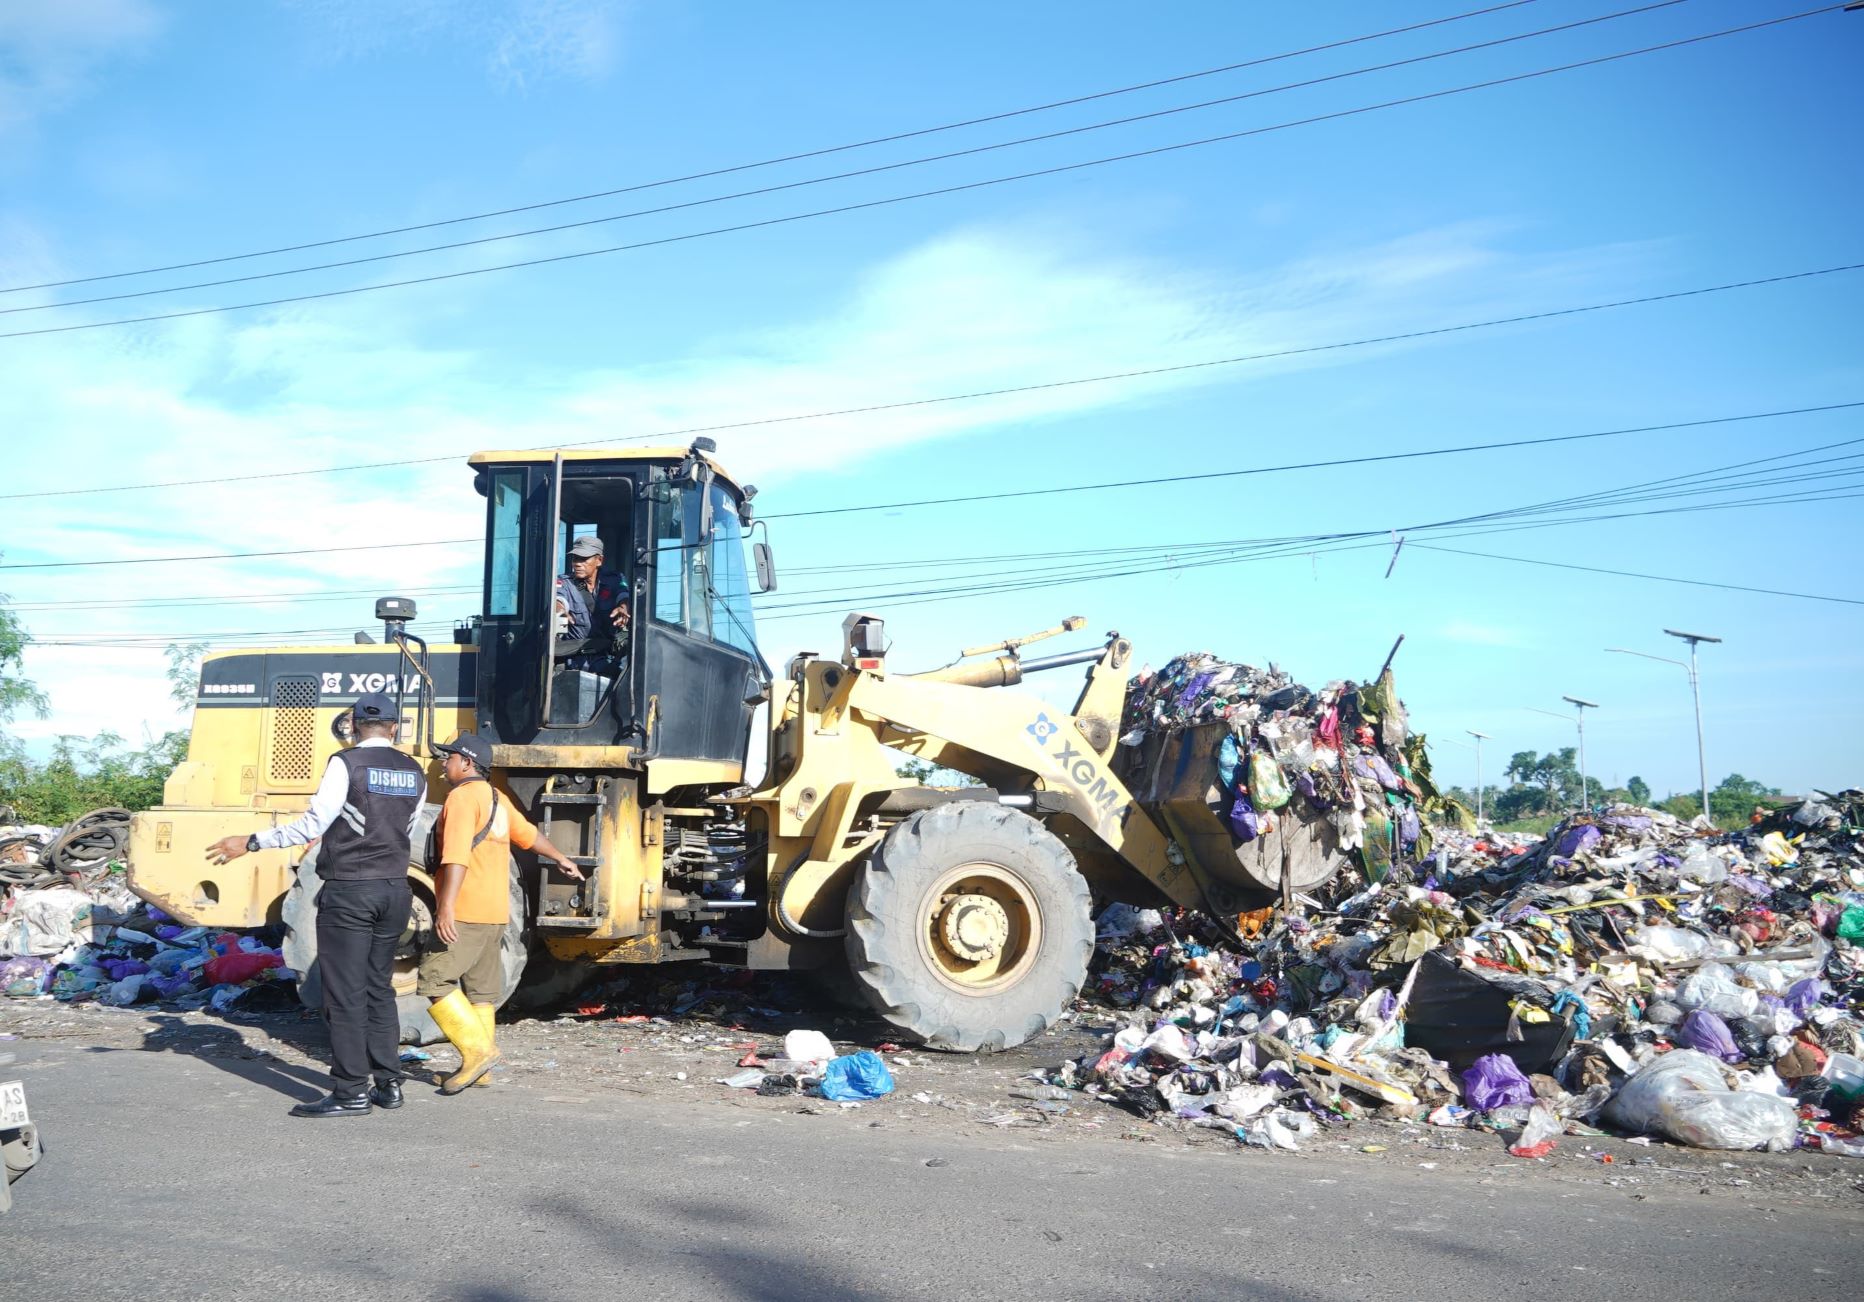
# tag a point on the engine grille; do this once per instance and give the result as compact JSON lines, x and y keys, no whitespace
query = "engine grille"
{"x":294,"y":730}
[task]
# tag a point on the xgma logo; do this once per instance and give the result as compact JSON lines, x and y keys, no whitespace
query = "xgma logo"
{"x":1078,"y":766}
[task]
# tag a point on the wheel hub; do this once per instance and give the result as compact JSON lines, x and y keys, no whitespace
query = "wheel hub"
{"x":974,"y":927}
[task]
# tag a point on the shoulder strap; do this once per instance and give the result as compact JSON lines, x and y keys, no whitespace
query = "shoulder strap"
{"x":490,"y":819}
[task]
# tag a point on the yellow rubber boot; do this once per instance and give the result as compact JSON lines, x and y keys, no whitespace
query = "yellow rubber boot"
{"x":460,"y":1023}
{"x":488,"y":1014}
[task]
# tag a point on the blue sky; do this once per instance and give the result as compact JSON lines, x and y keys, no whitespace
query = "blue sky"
{"x":135,"y":133}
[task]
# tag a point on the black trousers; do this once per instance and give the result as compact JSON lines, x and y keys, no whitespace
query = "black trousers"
{"x":359,"y":923}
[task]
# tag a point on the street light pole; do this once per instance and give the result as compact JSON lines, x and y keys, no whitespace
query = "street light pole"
{"x":1579,"y":717}
{"x":1695,"y":690}
{"x":1480,"y":738}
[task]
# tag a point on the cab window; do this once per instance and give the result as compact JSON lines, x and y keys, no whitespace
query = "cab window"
{"x":729,"y":595}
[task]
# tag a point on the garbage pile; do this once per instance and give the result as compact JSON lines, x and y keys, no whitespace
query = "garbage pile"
{"x":81,"y":851}
{"x":1628,"y":971}
{"x":1345,"y":753}
{"x":70,"y":929}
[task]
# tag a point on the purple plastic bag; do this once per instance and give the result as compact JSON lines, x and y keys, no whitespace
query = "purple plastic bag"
{"x":1188,"y":696}
{"x":1244,"y":820}
{"x":1576,"y":839}
{"x":23,"y":976}
{"x":1707,"y":1033}
{"x":1803,"y":996}
{"x":1495,"y":1082}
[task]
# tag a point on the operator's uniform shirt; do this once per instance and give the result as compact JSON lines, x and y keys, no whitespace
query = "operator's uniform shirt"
{"x":473,"y":963}
{"x":587,"y":613}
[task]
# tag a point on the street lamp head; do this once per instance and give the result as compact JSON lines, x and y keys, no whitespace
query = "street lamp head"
{"x":1582,"y":704}
{"x":1473,"y":733}
{"x":1691,"y":637}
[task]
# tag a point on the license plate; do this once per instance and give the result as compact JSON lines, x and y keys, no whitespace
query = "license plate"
{"x":13,"y":1105}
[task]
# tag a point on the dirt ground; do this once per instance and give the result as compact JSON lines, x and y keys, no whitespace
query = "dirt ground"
{"x":663,"y":1040}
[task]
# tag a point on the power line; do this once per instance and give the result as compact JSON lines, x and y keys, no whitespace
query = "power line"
{"x":874,"y":170}
{"x":1202,"y":555}
{"x":771,"y":162}
{"x":1043,"y":492}
{"x":890,"y":200}
{"x":234,"y":556}
{"x":1632,"y":574}
{"x":1331,"y":463}
{"x":972,"y":395}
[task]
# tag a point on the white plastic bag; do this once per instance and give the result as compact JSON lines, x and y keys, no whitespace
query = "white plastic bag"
{"x":1701,"y":865}
{"x":1714,"y":987}
{"x":1684,"y":1096}
{"x":808,"y":1046}
{"x":1670,"y":944}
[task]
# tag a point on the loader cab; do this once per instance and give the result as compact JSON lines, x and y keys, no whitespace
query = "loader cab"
{"x":683,"y":678}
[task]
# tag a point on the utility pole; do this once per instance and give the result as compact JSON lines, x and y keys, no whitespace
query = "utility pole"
{"x":1482,"y":737}
{"x":1692,"y":668}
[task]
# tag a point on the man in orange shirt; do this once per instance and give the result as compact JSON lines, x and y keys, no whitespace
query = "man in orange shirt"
{"x":478,"y":828}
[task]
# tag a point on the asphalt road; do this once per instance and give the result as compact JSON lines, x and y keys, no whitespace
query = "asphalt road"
{"x":170,"y":1175}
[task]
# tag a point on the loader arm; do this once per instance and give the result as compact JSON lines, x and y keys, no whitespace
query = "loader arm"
{"x":1058,"y":750}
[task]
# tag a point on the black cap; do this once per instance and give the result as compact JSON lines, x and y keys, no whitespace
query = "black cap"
{"x":472,"y":746}
{"x":375,"y":707}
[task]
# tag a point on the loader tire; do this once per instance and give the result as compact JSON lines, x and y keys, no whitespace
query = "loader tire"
{"x":968,"y":927}
{"x":299,"y":914}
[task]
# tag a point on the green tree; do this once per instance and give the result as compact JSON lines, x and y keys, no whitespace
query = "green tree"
{"x":84,"y":775}
{"x":1734,"y":798}
{"x":17,"y":692}
{"x":928,"y":774}
{"x":184,"y":673}
{"x":1639,"y":790}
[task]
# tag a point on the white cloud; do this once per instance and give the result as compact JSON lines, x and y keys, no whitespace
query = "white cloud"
{"x":521,"y":42}
{"x":52,"y":51}
{"x":981,"y":308}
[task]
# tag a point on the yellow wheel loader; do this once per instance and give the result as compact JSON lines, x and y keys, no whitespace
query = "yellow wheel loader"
{"x":961,"y":915}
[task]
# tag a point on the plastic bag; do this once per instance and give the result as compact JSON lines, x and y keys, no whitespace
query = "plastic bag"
{"x":1670,"y":944}
{"x":23,"y":977}
{"x":1699,"y":865}
{"x":1266,"y":782}
{"x":237,"y":966}
{"x":1682,"y":1095}
{"x":1495,"y":1082}
{"x":857,"y":1076}
{"x":1714,"y":987}
{"x":1707,"y":1033}
{"x":808,"y":1046}
{"x":1536,"y":1139}
{"x":1245,"y":822}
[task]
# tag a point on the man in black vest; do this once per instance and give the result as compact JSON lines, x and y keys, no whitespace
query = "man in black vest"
{"x":365,"y":809}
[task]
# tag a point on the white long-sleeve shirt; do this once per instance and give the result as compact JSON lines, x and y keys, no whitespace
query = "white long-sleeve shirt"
{"x":326,"y":805}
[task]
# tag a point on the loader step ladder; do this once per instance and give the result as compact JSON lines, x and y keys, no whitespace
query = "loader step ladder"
{"x":585,"y":897}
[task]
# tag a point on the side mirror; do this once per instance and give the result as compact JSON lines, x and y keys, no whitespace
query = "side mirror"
{"x":766,"y":567}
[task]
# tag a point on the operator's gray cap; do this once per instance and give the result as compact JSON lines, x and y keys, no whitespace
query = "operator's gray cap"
{"x":587,"y":545}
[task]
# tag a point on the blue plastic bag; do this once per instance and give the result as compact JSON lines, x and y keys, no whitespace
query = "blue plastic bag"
{"x":856,"y":1076}
{"x":1494,"y":1082}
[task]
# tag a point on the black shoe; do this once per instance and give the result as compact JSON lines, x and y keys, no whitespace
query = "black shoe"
{"x":334,"y":1105}
{"x":386,"y":1095}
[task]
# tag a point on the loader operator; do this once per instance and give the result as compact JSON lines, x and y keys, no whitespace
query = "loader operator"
{"x":365,"y":810}
{"x":477,"y":829}
{"x":592,"y":603}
